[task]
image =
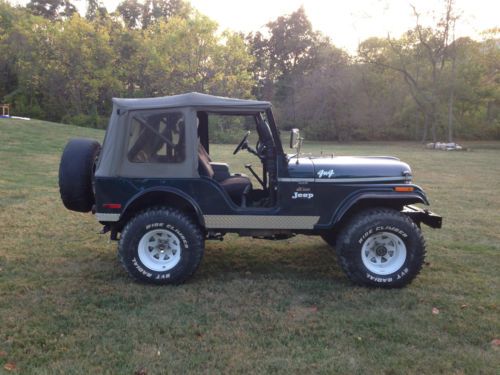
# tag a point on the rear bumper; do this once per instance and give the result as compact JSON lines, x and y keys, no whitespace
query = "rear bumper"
{"x":425,"y":216}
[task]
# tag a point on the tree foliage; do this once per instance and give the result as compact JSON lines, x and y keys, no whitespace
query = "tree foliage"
{"x":57,"y":65}
{"x":422,"y":85}
{"x":70,"y":69}
{"x":52,"y":9}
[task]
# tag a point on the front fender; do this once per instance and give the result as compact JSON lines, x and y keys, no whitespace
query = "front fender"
{"x":380,"y":198}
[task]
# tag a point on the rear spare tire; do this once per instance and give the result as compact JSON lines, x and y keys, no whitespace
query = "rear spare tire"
{"x":76,"y":173}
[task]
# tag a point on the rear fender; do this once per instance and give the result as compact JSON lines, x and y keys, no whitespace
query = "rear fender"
{"x":162,"y":196}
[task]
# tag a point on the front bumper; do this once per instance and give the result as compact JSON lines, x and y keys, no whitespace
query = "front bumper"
{"x":419,"y":215}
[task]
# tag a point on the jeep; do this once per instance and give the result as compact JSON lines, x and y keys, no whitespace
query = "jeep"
{"x":155,"y":188}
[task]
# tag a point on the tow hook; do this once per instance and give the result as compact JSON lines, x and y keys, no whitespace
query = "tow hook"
{"x":105,"y":229}
{"x":108,"y":228}
{"x":215,"y":236}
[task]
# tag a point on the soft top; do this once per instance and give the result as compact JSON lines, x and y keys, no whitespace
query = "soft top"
{"x":192,"y":99}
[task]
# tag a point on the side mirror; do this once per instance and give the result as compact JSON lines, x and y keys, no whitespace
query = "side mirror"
{"x":294,"y":138}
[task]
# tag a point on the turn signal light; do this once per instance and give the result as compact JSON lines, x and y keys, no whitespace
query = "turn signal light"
{"x":112,"y":205}
{"x":404,"y":189}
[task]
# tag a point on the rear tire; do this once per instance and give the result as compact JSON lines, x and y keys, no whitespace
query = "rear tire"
{"x":161,"y":246}
{"x":381,"y":247}
{"x":76,"y":174}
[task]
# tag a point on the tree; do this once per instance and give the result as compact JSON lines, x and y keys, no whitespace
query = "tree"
{"x":420,"y":56}
{"x":283,"y":59}
{"x":143,"y":15}
{"x":264,"y":75}
{"x":187,"y":55}
{"x":291,"y":42}
{"x":95,"y":9}
{"x":490,"y":79}
{"x":131,"y":12}
{"x":155,"y":10}
{"x":8,"y":76}
{"x":52,"y":9}
{"x":231,"y":74}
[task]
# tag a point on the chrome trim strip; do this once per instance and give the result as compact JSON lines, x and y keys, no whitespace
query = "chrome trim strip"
{"x":365,"y":179}
{"x":260,"y":221}
{"x":107,"y":217}
{"x":287,"y":179}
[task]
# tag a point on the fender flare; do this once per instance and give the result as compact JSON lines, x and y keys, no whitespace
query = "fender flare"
{"x":166,"y":190}
{"x":418,"y":196}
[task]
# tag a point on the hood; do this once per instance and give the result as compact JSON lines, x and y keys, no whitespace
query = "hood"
{"x":351,"y":169}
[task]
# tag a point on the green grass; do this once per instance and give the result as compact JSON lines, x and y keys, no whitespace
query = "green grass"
{"x":66,"y":305}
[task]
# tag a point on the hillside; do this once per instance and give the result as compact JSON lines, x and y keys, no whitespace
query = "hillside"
{"x":253,"y":306}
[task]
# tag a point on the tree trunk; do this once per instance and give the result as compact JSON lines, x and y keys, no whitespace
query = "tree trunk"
{"x":452,"y":88}
{"x":450,"y":115}
{"x":433,"y":122}
{"x":489,"y":111}
{"x":416,"y":125}
{"x":426,"y":127}
{"x":433,"y":128}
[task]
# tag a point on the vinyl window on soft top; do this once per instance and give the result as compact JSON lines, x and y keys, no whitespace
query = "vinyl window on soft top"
{"x":157,"y":137}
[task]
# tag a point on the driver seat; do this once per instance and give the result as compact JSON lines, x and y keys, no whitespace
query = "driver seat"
{"x":235,"y":186}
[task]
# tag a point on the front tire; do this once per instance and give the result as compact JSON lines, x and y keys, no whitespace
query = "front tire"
{"x":381,"y":247}
{"x":161,"y":246}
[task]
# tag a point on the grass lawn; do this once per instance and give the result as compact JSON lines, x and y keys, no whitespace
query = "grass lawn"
{"x":254,"y":306}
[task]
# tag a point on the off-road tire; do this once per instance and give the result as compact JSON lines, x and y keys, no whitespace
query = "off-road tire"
{"x":367,"y":227}
{"x":76,"y":174}
{"x":169,"y":220}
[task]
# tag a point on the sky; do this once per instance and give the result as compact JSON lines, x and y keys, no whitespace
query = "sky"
{"x":346,"y":22}
{"x":349,"y":22}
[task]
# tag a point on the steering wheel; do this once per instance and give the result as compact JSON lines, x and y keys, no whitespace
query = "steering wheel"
{"x":241,"y":144}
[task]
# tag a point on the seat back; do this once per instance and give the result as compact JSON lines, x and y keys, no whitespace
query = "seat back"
{"x":204,"y":167}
